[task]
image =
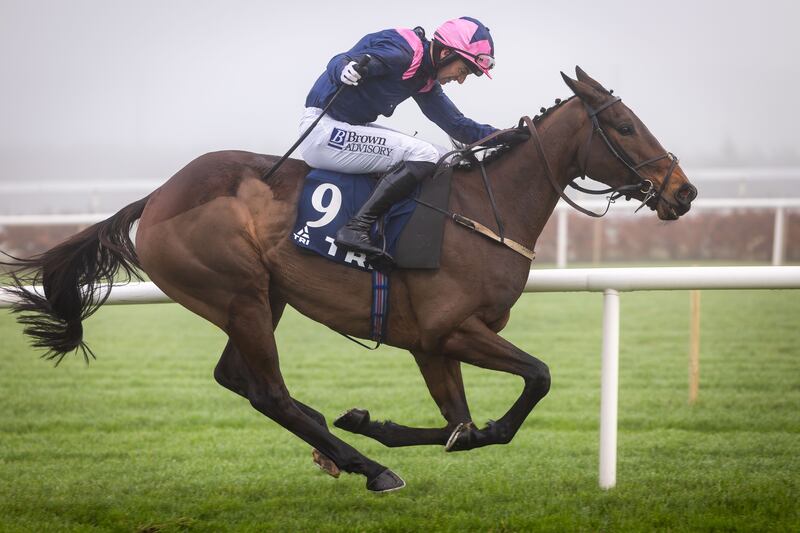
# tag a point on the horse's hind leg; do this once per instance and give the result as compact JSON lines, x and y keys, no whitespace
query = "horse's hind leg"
{"x":250,"y":328}
{"x":443,"y":378}
{"x":231,"y":373}
{"x":230,"y":369}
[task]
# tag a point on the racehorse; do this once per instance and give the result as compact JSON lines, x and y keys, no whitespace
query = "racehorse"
{"x":216,"y":239}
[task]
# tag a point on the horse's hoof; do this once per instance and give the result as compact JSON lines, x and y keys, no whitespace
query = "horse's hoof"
{"x":354,"y":420}
{"x":325,"y":463}
{"x":460,"y":438}
{"x":386,"y":481}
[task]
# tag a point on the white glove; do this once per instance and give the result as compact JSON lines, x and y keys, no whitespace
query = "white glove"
{"x":350,"y":75}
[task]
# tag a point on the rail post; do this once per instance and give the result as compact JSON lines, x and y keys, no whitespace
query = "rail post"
{"x":778,"y":237}
{"x":609,"y":386}
{"x":694,"y":345}
{"x":561,"y":242}
{"x":597,"y":241}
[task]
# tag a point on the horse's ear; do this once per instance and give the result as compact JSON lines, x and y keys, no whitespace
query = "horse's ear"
{"x":570,"y":82}
{"x":585,"y":78}
{"x":584,"y":91}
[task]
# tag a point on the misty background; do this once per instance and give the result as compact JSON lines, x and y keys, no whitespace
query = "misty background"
{"x":120,"y":92}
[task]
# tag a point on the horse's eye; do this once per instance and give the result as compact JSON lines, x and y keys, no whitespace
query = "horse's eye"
{"x":625,"y":129}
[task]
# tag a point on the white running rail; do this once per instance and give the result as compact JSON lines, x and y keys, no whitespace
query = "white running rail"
{"x":609,"y":281}
{"x":779,"y":205}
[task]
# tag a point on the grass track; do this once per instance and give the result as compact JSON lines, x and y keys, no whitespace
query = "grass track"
{"x":144,"y":438}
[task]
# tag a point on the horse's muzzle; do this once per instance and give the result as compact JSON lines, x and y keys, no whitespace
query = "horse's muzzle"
{"x":685,"y":195}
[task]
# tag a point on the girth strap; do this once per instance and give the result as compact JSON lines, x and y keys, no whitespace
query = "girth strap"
{"x":472,"y":224}
{"x":483,"y":230}
{"x":486,"y":232}
{"x":379,"y":314}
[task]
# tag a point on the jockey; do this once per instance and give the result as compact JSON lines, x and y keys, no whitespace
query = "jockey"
{"x":402,"y":64}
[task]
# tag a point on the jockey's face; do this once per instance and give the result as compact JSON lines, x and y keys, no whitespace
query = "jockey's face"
{"x":455,"y":71}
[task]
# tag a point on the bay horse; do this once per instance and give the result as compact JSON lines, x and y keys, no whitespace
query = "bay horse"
{"x":216,"y":239}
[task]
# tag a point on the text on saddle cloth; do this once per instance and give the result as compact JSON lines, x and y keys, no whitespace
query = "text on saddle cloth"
{"x":328,"y":201}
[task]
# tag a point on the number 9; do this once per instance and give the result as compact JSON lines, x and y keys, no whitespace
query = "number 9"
{"x":330,"y":210}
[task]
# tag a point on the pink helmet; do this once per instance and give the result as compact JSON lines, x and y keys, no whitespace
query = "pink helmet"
{"x":471,"y":40}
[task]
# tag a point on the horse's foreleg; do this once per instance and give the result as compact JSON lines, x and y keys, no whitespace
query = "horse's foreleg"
{"x":250,"y":329}
{"x":475,"y":343}
{"x":444,"y":381}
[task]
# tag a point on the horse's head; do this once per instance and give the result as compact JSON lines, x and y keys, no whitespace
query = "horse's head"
{"x":621,"y":152}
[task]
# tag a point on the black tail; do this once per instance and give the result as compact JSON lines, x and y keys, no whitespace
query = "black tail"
{"x":77,"y":276}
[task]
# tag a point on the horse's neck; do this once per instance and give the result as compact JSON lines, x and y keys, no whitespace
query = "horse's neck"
{"x":526,"y":198}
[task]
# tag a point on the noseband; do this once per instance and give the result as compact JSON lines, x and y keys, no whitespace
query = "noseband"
{"x":644,"y":185}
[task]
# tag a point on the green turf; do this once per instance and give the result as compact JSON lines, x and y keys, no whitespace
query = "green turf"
{"x":143,"y":438}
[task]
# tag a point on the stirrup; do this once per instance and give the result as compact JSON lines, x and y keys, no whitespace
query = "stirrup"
{"x":357,"y":241}
{"x":381,"y":262}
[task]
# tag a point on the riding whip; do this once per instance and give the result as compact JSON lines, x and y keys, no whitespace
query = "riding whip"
{"x":360,"y":65}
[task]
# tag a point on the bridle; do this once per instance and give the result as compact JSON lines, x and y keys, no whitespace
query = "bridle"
{"x":644,"y":185}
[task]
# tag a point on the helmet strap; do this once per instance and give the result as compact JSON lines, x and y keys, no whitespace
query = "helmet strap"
{"x":436,"y":52}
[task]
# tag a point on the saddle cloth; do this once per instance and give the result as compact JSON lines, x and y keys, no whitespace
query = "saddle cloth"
{"x":413,"y":233}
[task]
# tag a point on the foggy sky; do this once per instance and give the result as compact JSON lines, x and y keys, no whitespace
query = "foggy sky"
{"x":101,"y":90}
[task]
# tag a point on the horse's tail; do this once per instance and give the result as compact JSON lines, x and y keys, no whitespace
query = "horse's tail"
{"x":77,"y":276}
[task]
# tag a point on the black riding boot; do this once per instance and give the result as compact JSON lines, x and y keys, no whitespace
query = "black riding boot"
{"x":391,"y":188}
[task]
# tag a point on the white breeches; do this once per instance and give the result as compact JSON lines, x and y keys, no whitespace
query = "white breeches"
{"x":343,"y":147}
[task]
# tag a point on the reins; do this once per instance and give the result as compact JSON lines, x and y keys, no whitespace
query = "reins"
{"x":468,"y":153}
{"x":549,"y":173}
{"x":644,"y":185}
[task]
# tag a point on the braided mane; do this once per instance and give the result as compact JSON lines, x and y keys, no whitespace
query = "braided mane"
{"x":544,"y":111}
{"x":494,"y":154}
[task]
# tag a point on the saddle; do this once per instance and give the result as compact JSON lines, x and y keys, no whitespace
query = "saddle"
{"x":411,"y":231}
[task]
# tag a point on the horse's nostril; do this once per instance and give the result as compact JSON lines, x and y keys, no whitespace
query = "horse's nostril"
{"x":686,"y":194}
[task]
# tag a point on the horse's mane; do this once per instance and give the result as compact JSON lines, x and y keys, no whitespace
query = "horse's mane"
{"x":494,"y":154}
{"x":543,"y":112}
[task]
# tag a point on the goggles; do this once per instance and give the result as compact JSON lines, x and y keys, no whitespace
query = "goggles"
{"x":483,"y":61}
